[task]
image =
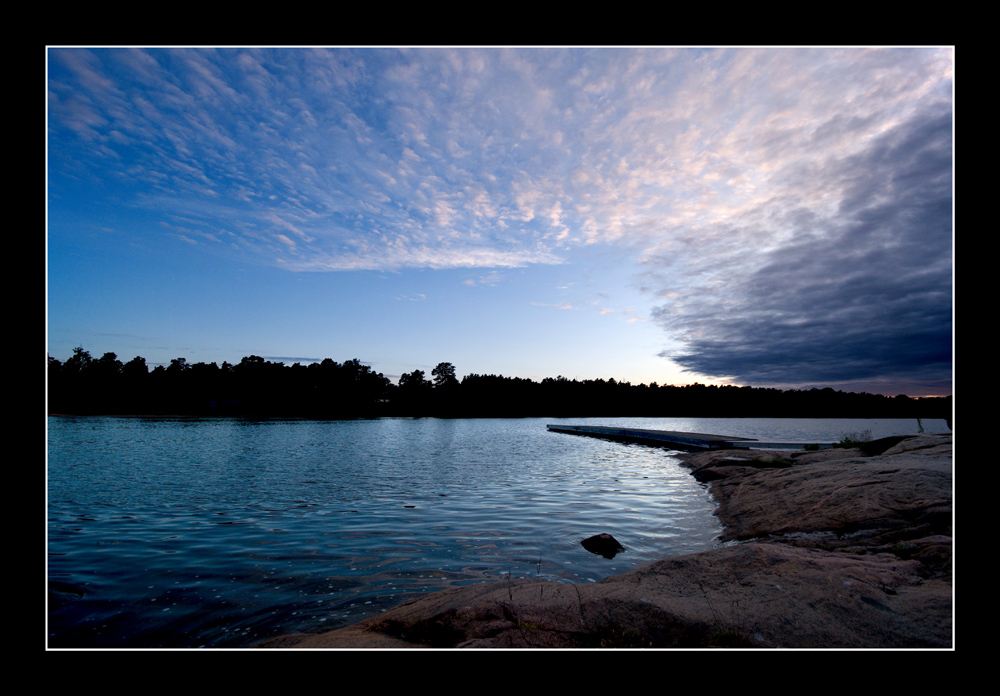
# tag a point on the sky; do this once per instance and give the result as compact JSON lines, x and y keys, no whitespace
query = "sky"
{"x":772,"y":217}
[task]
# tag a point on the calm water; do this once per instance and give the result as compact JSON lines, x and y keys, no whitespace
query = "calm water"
{"x":220,"y":533}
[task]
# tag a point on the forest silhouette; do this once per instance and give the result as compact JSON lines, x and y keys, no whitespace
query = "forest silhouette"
{"x":255,"y":387}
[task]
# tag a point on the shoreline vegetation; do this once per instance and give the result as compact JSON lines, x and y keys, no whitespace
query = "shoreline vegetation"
{"x":830,"y":549}
{"x":258,"y":388}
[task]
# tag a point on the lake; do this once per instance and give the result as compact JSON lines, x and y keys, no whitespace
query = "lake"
{"x":218,"y":533}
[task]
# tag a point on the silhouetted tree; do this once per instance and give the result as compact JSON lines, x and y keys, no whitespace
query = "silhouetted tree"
{"x":444,"y":375}
{"x":413,"y":395}
{"x":78,"y":362}
{"x":413,"y":380}
{"x":446,"y":386}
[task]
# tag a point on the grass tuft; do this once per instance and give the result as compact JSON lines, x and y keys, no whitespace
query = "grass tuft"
{"x":855,"y":439}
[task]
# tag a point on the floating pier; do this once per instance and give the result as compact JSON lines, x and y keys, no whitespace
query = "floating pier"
{"x":670,"y":438}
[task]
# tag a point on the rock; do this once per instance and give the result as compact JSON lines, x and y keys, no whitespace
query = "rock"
{"x":931,"y":444}
{"x":717,"y":464}
{"x":717,"y":473}
{"x":603,"y":545}
{"x":842,"y":496}
{"x":825,"y":455}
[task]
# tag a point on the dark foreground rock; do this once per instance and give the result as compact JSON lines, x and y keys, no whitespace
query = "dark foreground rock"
{"x":830,"y":549}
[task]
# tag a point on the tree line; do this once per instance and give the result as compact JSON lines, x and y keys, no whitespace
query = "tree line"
{"x":255,"y":387}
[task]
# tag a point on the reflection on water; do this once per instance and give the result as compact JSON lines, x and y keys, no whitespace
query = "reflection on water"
{"x":191,"y":532}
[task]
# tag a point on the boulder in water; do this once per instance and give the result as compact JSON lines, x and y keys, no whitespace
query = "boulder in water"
{"x":603,"y":545}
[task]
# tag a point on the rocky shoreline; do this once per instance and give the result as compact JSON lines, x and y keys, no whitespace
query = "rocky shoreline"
{"x":838,"y":548}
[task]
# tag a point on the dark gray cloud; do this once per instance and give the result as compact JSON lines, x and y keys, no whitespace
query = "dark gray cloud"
{"x":863,"y":294}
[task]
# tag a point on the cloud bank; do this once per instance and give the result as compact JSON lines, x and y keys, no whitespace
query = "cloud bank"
{"x":856,"y":288}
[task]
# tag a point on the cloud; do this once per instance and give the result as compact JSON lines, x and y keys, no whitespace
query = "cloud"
{"x":492,"y":278}
{"x":456,"y":149}
{"x":862,"y":292}
{"x":369,"y":257}
{"x":557,"y":305}
{"x":291,"y":359}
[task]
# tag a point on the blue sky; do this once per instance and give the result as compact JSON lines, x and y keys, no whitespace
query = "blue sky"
{"x":772,"y":217}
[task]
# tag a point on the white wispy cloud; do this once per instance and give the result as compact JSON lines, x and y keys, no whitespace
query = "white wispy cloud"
{"x":557,"y":305}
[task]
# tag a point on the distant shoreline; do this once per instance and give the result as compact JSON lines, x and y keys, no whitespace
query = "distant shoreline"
{"x":442,"y":417}
{"x":328,"y":390}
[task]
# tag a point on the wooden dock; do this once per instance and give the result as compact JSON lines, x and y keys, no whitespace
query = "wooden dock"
{"x":679,"y":440}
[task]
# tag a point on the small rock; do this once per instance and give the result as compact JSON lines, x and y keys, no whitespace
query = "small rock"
{"x":603,"y":545}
